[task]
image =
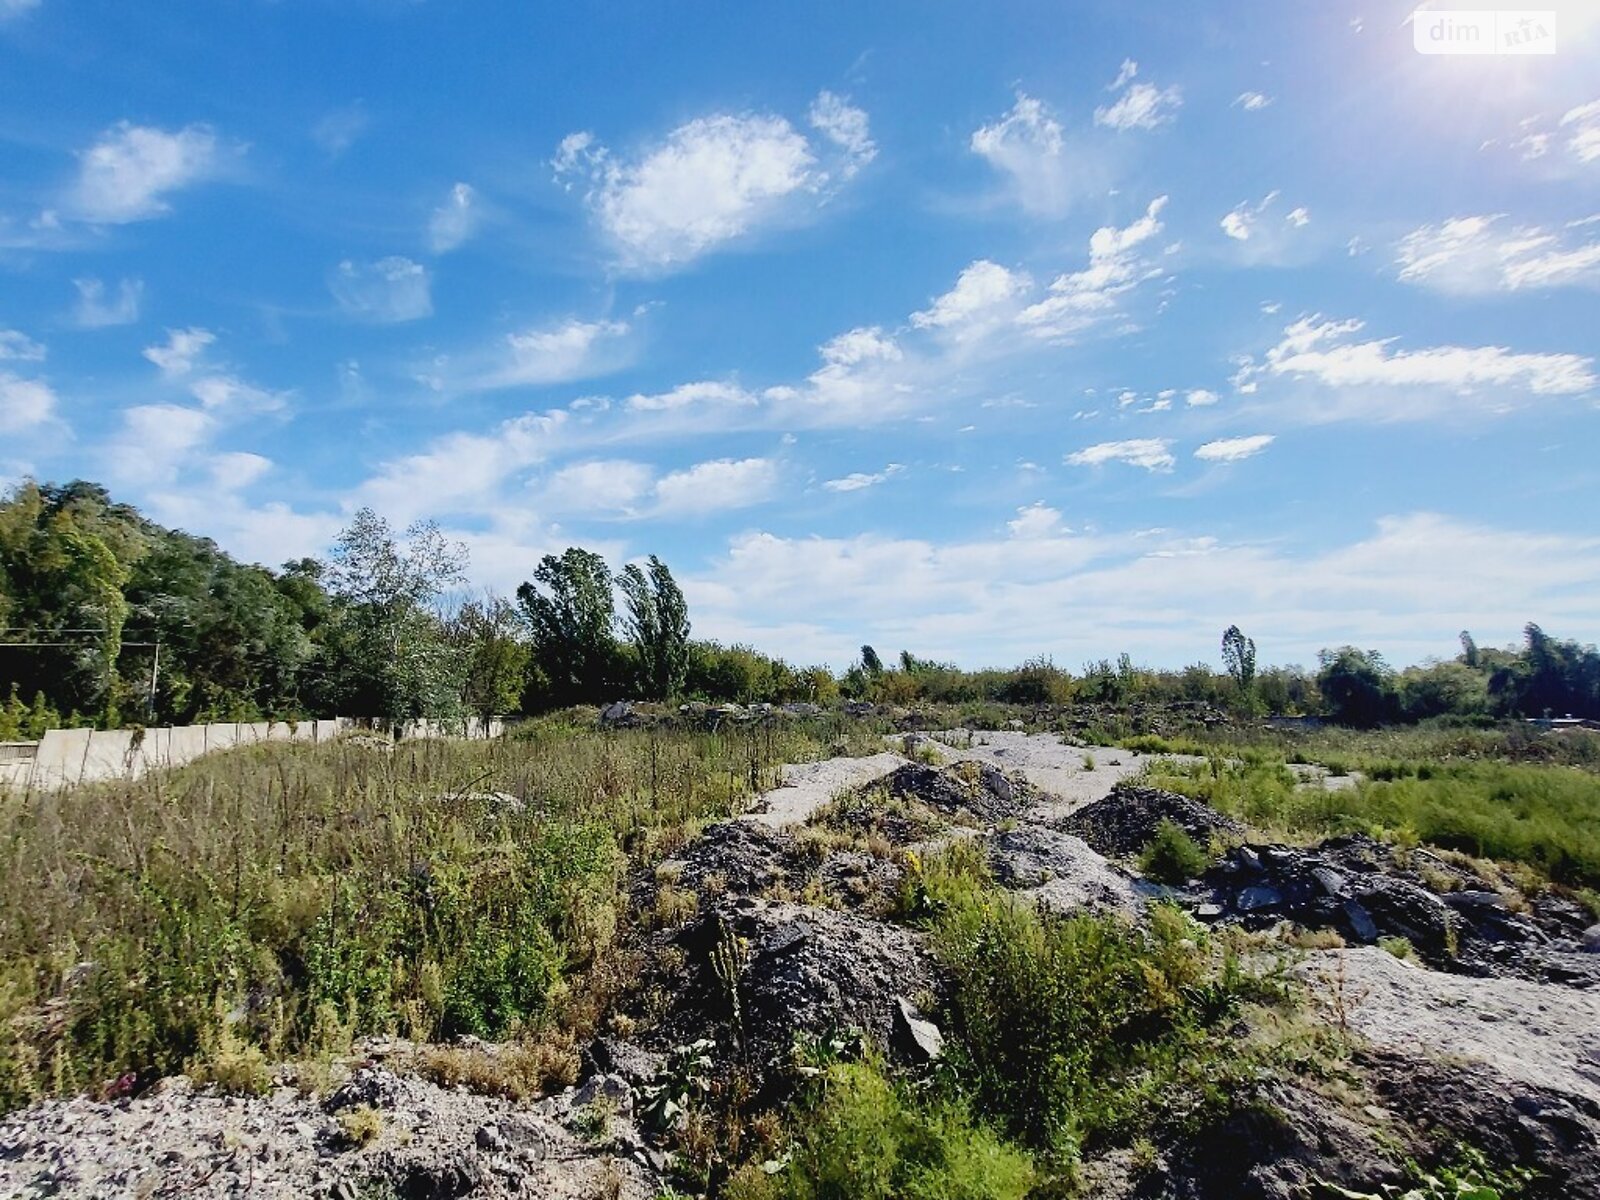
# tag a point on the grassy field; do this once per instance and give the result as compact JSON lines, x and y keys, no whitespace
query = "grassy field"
{"x":1508,"y":793}
{"x":272,"y":904}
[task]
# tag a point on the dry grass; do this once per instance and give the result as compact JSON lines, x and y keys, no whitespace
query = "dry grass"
{"x":294,"y":896}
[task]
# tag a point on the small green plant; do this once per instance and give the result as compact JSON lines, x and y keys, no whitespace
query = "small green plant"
{"x":1088,"y":762}
{"x":1173,"y":857}
{"x":1400,"y":947}
{"x":683,"y":1080}
{"x":361,"y":1125}
{"x":864,"y":1137}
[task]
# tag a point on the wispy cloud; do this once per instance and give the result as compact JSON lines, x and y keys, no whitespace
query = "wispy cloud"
{"x":712,"y":181}
{"x":1140,"y":105}
{"x":454,"y":221}
{"x":386,"y":292}
{"x":99,"y":309}
{"x":1227,"y":450}
{"x":1479,"y":255}
{"x":130,"y":171}
{"x":1153,"y":454}
{"x":1372,"y":380}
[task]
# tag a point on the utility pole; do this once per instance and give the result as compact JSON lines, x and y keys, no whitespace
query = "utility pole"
{"x":155,"y":670}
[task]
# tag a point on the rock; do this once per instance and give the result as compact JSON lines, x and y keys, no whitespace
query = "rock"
{"x":1590,"y":940}
{"x":1359,"y":922}
{"x":370,"y":1085}
{"x":617,"y":714}
{"x":1253,"y":899}
{"x":633,"y":1063}
{"x":612,"y":1090}
{"x":918,"y":1040}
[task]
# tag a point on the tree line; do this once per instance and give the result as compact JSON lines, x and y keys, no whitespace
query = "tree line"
{"x":108,"y":618}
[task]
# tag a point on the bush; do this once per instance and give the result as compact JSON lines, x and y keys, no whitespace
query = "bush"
{"x":1080,"y":1029}
{"x":867,"y":1138}
{"x":1172,"y":857}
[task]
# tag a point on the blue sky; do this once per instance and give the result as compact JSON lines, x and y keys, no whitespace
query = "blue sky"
{"x":983,"y":331}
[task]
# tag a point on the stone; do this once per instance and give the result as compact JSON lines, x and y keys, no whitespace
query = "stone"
{"x":919,"y":1039}
{"x":1253,"y":899}
{"x":1590,"y":940}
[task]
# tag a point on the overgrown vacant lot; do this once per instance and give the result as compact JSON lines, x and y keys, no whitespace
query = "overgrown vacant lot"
{"x":271,"y":904}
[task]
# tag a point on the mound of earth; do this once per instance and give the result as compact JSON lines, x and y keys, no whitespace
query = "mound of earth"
{"x":1060,"y":871}
{"x":758,"y":973}
{"x":1123,"y":824}
{"x":751,"y":858}
{"x":976,"y":791}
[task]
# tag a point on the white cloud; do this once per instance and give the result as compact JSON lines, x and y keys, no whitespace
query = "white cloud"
{"x":691,"y":395}
{"x":1153,"y":454}
{"x":1083,"y":298}
{"x":16,"y":346}
{"x":24,"y":403}
{"x":861,"y":345}
{"x":846,"y":127}
{"x":463,"y":472}
{"x":233,"y":395}
{"x":454,"y":221}
{"x":1242,"y":221}
{"x":714,"y":486}
{"x":385,"y":292}
{"x":1028,"y":147}
{"x":97,"y":310}
{"x":157,"y":440}
{"x":861,"y":480}
{"x":1035,"y":520}
{"x":127,"y":174}
{"x":1583,"y":138}
{"x":1227,"y":450}
{"x":1299,"y":217}
{"x":1405,"y":587}
{"x":236,"y":470}
{"x":1477,"y":256}
{"x":183,"y":348}
{"x":1252,"y":101}
{"x":338,"y":130}
{"x":1370,"y":379}
{"x":713,"y":180}
{"x":1200,"y":398}
{"x":1141,"y":105}
{"x":569,"y":350}
{"x":983,"y":291}
{"x":599,"y":486}
{"x":15,"y":8}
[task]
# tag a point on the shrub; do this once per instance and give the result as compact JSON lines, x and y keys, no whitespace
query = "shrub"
{"x":1079,"y":1029}
{"x":1172,"y":857}
{"x":867,"y":1138}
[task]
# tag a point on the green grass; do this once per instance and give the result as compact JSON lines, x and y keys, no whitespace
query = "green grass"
{"x":1075,"y":1031}
{"x":273,"y":903}
{"x":864,"y":1136}
{"x":1544,"y":815}
{"x":1172,"y":857}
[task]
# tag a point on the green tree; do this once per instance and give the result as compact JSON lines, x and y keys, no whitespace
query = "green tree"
{"x":1357,"y":686}
{"x":1239,"y":656}
{"x":490,"y":638}
{"x":405,"y":667}
{"x":870,"y":662}
{"x":657,"y":621}
{"x":571,"y":612}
